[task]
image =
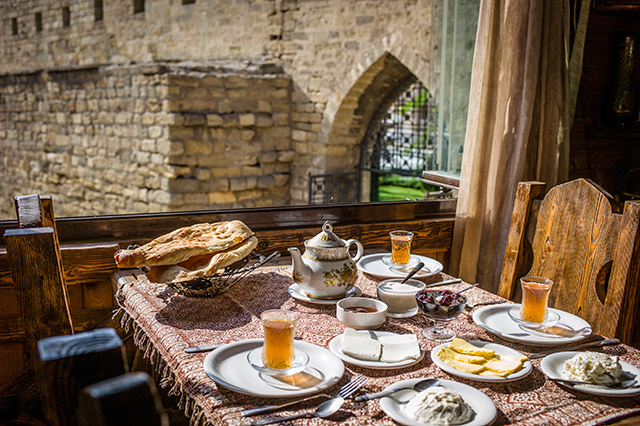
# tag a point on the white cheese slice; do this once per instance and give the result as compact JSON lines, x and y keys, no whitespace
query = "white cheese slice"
{"x":399,"y":348}
{"x":359,"y":345}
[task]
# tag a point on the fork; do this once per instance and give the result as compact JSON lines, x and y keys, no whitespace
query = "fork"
{"x":346,"y":390}
{"x":625,"y":384}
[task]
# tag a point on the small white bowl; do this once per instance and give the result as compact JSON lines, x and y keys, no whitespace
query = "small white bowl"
{"x":361,"y":320}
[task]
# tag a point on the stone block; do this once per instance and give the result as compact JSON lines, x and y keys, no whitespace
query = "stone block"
{"x":247,"y":135}
{"x":183,"y":186}
{"x":214,"y":120}
{"x":246,"y":120}
{"x":281,"y":179}
{"x":202,"y":174}
{"x":286,"y":156}
{"x":217,"y":198}
{"x":266,"y":182}
{"x":264,"y":106}
{"x":194,"y":147}
{"x":194,"y":120}
{"x":268,"y":157}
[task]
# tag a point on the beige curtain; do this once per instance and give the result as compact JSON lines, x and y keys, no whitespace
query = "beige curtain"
{"x":517,"y":128}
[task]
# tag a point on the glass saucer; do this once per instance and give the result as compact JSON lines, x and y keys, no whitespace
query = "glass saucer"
{"x":299,"y":363}
{"x":413,"y":261}
{"x":551,"y":319}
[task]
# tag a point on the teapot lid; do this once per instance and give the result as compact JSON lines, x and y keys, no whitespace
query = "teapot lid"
{"x":326,"y":238}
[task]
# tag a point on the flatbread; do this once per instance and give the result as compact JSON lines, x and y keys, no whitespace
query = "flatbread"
{"x":201,"y":266}
{"x":185,"y":243}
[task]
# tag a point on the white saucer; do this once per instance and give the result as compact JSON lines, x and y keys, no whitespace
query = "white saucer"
{"x":495,"y":319}
{"x":335,"y":344}
{"x":480,"y":403}
{"x":297,"y":293}
{"x":228,"y":366}
{"x":372,"y":264}
{"x":552,"y":366}
{"x":499,"y":349}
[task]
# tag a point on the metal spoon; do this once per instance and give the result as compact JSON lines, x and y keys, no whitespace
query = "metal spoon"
{"x":465,"y":289}
{"x":413,"y":272}
{"x":418,"y":387}
{"x":325,"y":409}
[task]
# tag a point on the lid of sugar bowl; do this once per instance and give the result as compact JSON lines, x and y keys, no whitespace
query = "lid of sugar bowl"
{"x":326,"y":238}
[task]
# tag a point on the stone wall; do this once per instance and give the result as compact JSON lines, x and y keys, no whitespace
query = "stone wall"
{"x":142,"y":138}
{"x":343,"y":57}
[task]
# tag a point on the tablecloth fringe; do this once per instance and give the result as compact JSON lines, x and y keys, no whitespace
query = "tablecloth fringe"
{"x":165,"y":376}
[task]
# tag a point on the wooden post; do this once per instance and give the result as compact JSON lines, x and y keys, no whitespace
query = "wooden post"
{"x":70,"y":363}
{"x":37,"y":274}
{"x":127,"y":400}
{"x":36,"y":270}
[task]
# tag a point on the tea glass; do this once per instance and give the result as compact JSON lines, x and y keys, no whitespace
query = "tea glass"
{"x":535,"y":297}
{"x":401,"y":247}
{"x":278,"y":357}
{"x":279,"y":330}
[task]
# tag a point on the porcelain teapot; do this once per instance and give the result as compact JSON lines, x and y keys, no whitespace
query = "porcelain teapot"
{"x":326,"y":270}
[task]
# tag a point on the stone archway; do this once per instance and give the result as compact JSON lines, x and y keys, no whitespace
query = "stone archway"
{"x":376,"y":88}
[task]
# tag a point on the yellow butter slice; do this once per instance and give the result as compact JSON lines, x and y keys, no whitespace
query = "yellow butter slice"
{"x":503,"y":366}
{"x":470,"y":359}
{"x":461,"y":366}
{"x":464,"y":347}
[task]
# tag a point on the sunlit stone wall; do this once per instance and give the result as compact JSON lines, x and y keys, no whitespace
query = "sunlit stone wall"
{"x":326,"y":49}
{"x":142,"y":138}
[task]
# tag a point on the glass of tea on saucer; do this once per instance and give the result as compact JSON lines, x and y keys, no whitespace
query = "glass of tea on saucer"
{"x":400,"y":250}
{"x":278,"y":355}
{"x":533,"y":311}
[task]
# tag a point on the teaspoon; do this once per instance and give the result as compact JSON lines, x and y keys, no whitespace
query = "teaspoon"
{"x":413,"y":272}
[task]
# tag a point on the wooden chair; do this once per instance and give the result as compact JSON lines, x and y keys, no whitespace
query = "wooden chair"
{"x":592,"y":254}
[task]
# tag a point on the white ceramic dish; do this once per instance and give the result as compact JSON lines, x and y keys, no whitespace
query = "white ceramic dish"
{"x":495,"y":319}
{"x":372,"y":264}
{"x":361,"y":320}
{"x":480,"y":403}
{"x":228,"y":366}
{"x":335,"y":343}
{"x":296,"y":292}
{"x":552,"y":366}
{"x":500,"y":350}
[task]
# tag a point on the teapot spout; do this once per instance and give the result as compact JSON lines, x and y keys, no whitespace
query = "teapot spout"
{"x":301,"y":272}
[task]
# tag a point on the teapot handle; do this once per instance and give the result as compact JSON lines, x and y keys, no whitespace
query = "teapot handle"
{"x":360,"y":251}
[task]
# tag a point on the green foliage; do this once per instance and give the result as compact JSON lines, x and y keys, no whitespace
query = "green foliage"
{"x":398,"y":193}
{"x":419,"y":102}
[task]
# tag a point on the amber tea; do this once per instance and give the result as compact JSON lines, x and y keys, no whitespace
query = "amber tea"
{"x":535,"y":296}
{"x":401,"y":247}
{"x":279,"y":332}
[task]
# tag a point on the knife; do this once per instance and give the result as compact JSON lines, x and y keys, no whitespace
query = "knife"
{"x":205,"y":348}
{"x":597,"y":344}
{"x":447,"y":282}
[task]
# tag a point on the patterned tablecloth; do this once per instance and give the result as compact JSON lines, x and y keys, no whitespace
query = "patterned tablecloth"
{"x":165,"y":323}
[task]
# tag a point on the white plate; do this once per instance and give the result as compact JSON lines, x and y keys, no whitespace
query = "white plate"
{"x":552,"y":366}
{"x":480,"y":403}
{"x":372,"y":264}
{"x":335,"y":343}
{"x":500,"y":350}
{"x":495,"y":319}
{"x":297,"y":293}
{"x":229,"y":367}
